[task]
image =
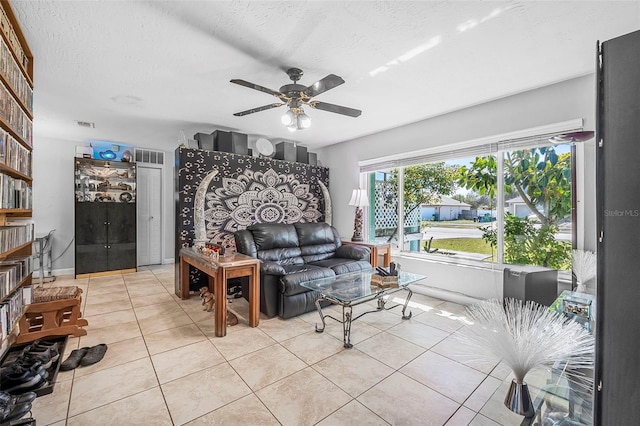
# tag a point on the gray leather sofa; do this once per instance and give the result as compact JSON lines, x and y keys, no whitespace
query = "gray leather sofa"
{"x":292,"y":254}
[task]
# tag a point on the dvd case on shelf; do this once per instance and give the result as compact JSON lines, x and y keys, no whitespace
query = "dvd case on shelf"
{"x":16,"y":156}
{"x":10,"y":311}
{"x":11,"y":72}
{"x":15,"y":193}
{"x":12,"y":237}
{"x":14,"y":116}
{"x":13,"y":271}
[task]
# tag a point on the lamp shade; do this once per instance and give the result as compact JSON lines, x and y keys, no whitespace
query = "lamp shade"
{"x":304,"y":121}
{"x":359,"y":198}
{"x":288,"y":118}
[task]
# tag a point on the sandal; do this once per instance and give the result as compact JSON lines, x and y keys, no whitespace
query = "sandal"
{"x":74,"y":359}
{"x":94,"y":354}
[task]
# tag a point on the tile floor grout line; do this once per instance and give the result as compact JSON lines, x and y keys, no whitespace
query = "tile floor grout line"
{"x":434,"y":390}
{"x":367,"y":389}
{"x":240,"y":356}
{"x":155,"y":372}
{"x":108,"y":403}
{"x":73,"y":377}
{"x":269,"y":384}
{"x":266,"y":407}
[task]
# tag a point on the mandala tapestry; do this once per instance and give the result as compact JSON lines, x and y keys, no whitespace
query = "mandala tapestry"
{"x":220,"y":193}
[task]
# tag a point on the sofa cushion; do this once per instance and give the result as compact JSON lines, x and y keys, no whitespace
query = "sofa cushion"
{"x":276,"y":242}
{"x":283,"y":256}
{"x":353,"y":252}
{"x":271,"y":268}
{"x":341,"y":265}
{"x":317,"y":252}
{"x":273,"y":235}
{"x":310,"y":234}
{"x":296,"y":274}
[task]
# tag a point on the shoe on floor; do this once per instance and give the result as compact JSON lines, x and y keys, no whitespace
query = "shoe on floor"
{"x":24,"y":398}
{"x":11,"y":411}
{"x":43,"y":358}
{"x":19,"y":380}
{"x":94,"y":355}
{"x":38,"y":349}
{"x":74,"y":359}
{"x":24,"y":364}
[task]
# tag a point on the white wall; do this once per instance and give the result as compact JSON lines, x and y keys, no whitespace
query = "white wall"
{"x":54,"y":198}
{"x":551,"y":104}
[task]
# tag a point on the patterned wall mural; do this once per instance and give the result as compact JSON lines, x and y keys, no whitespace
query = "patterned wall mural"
{"x":220,"y":193}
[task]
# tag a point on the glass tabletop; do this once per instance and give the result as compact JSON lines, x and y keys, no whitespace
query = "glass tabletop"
{"x":357,"y":285}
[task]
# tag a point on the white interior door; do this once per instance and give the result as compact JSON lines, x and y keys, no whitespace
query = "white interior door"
{"x":149,"y":199}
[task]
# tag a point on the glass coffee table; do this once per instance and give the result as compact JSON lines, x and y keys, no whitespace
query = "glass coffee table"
{"x":349,"y":290}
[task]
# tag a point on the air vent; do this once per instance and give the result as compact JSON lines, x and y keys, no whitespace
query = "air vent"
{"x":149,"y":156}
{"x":86,"y":124}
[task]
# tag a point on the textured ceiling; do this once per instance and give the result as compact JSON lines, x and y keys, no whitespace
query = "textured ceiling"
{"x":143,"y":70}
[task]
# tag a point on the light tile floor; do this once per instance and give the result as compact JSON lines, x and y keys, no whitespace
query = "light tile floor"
{"x":165,"y":366}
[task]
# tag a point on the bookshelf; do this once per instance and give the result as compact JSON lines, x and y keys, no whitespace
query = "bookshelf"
{"x":16,"y":145}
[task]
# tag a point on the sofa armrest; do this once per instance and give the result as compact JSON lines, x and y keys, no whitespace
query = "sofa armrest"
{"x":272,"y":268}
{"x":353,"y":252}
{"x":245,"y":243}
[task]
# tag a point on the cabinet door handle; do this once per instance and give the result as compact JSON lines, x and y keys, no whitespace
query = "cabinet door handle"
{"x":108,"y":246}
{"x":106,"y":223}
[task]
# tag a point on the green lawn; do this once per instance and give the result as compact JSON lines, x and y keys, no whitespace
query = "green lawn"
{"x":469,"y":245}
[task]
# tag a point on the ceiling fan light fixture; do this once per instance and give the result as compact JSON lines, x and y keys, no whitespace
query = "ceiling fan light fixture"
{"x":292,"y":127}
{"x":295,"y":95}
{"x":288,"y":118}
{"x":304,"y":121}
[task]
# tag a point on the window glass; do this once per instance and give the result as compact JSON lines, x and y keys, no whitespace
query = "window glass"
{"x":538,"y":206}
{"x":383,"y":211}
{"x":451,"y":208}
{"x":462,"y":223}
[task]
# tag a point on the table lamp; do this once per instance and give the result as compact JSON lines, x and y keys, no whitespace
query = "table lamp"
{"x":359,"y":199}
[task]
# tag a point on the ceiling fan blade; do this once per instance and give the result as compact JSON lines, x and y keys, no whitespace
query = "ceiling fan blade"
{"x":321,"y":86}
{"x":252,"y":110}
{"x":257,"y":87}
{"x":336,"y":108}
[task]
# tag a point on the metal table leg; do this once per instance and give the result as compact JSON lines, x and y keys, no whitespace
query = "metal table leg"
{"x":319,"y":308}
{"x":406,"y":303}
{"x":346,"y":326}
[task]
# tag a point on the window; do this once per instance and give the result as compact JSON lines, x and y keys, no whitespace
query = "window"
{"x":537,"y":219}
{"x":506,"y":203}
{"x":383,"y":211}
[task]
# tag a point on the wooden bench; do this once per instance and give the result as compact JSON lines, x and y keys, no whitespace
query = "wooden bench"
{"x":60,"y":317}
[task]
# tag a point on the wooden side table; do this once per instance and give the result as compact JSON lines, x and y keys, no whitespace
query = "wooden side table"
{"x":376,"y":249}
{"x":232,"y":265}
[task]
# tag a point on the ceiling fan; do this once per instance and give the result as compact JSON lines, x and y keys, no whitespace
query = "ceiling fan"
{"x":295,"y":96}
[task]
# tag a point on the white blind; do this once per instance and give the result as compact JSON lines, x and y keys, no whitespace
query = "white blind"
{"x":531,"y":138}
{"x":433,"y":157}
